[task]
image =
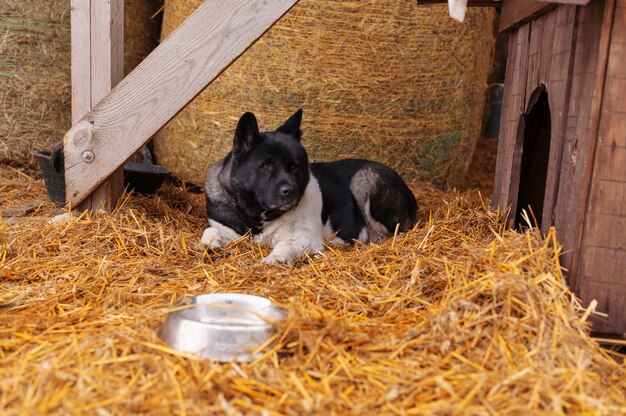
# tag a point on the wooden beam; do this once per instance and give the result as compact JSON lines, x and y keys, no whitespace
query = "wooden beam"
{"x":152,"y":94}
{"x":517,"y":12}
{"x":574,"y":2}
{"x":497,"y":3}
{"x":97,"y":66}
{"x":470,"y":3}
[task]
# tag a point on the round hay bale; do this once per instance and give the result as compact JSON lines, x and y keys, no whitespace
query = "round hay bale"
{"x":384,"y":80}
{"x":142,"y":28}
{"x":35,"y":89}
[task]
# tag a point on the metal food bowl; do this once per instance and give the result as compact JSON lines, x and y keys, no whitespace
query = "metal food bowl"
{"x":222,"y":326}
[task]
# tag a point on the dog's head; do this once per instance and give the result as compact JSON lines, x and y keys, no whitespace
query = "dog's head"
{"x":270,"y":170}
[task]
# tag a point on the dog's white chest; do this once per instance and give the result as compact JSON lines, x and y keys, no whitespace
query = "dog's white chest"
{"x":301,"y":227}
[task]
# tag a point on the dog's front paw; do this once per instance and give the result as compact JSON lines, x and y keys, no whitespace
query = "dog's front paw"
{"x":274,"y":258}
{"x":212,"y":238}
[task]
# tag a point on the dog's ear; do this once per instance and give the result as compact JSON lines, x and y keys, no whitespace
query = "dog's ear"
{"x":245,"y":134}
{"x":292,"y":125}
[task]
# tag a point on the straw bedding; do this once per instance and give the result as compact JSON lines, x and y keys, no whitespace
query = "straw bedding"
{"x":385,"y":80}
{"x":457,"y":316}
{"x":35,"y":90}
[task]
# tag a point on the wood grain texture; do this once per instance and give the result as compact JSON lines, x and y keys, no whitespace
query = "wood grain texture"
{"x":80,"y":16}
{"x":518,"y":12}
{"x":556,"y":74}
{"x":500,"y":180}
{"x":171,"y":76}
{"x":603,"y":246}
{"x":107,"y":47}
{"x":574,"y":2}
{"x":579,"y":55}
{"x":97,"y":66}
{"x":470,"y":3}
{"x":586,"y":92}
{"x":107,"y":70}
{"x":512,"y":108}
{"x":548,"y":66}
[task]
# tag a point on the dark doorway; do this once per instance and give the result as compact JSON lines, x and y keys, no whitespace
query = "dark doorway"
{"x":535,"y":158}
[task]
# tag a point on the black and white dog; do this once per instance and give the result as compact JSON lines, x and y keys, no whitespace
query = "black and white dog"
{"x":266,"y":185}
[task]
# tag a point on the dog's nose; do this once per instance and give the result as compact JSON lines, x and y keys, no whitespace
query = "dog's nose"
{"x":286,"y":190}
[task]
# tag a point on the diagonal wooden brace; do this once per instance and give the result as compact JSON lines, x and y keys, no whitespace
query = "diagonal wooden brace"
{"x":152,"y":94}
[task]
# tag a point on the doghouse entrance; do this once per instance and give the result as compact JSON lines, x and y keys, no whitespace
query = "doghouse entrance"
{"x":535,"y":157}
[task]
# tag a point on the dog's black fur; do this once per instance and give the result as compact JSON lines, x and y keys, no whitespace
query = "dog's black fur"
{"x":266,"y":185}
{"x":394,"y":202}
{"x":261,"y":178}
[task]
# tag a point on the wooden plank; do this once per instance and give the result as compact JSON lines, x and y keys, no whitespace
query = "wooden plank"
{"x":97,"y":65}
{"x":513,"y":104}
{"x":586,"y":90}
{"x":544,"y":28}
{"x":535,"y":48}
{"x":607,"y":197}
{"x":500,"y":180}
{"x":107,"y":70}
{"x":610,"y":260}
{"x":107,"y":47}
{"x":171,"y":76}
{"x":607,"y":230}
{"x":617,"y":72}
{"x":619,"y":27}
{"x":556,"y":70}
{"x":574,"y":2}
{"x":80,"y":16}
{"x":517,"y":12}
{"x":611,"y":152}
{"x":606,"y":262}
{"x":470,"y":3}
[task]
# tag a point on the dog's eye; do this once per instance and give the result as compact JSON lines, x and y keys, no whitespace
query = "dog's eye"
{"x":293,"y":167}
{"x":267,"y":166}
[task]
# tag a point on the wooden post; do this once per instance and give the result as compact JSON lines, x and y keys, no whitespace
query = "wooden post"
{"x":97,"y":66}
{"x":157,"y":89}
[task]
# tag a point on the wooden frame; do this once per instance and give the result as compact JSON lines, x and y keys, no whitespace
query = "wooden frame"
{"x":172,"y":75}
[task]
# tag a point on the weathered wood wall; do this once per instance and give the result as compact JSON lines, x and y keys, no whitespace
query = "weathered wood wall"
{"x":602,"y":262}
{"x":588,"y":69}
{"x":579,"y":54}
{"x":540,"y":53}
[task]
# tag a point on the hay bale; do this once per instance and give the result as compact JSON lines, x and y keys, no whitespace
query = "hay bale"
{"x":35,"y":90}
{"x":385,"y":80}
{"x":142,"y":28}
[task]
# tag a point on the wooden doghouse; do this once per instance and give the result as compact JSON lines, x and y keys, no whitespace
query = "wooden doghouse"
{"x":562,"y":145}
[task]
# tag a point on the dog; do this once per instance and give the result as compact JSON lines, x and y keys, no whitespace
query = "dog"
{"x":266,"y":186}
